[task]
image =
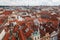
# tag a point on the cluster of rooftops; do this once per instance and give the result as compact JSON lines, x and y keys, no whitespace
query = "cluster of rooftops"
{"x":21,"y":23}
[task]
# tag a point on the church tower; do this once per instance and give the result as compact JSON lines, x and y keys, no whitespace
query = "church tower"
{"x":36,"y":35}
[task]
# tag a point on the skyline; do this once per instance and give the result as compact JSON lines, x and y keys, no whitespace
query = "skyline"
{"x":29,"y":2}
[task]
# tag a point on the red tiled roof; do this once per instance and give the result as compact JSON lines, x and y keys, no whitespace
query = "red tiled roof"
{"x":7,"y":12}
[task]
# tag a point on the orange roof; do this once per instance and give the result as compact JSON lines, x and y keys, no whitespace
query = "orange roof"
{"x":7,"y":12}
{"x":43,"y":19}
{"x":21,"y":35}
{"x":6,"y":36}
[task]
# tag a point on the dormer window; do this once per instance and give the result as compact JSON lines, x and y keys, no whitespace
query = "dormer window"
{"x":41,"y":27}
{"x":13,"y":17}
{"x":27,"y":30}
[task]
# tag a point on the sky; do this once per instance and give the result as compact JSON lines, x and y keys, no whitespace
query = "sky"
{"x":29,"y":2}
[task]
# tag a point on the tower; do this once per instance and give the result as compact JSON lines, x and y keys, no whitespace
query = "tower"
{"x":36,"y":35}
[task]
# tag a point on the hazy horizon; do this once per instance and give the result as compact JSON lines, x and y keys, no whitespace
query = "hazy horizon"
{"x":29,"y":2}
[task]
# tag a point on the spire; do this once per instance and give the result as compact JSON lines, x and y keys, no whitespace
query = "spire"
{"x":38,"y":30}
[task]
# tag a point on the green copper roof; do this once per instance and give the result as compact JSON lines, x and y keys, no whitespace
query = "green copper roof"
{"x":35,"y":33}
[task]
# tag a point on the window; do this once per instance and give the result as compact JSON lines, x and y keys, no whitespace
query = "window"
{"x":38,"y":37}
{"x":13,"y":17}
{"x":35,"y":38}
{"x":23,"y":13}
{"x":42,"y":27}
